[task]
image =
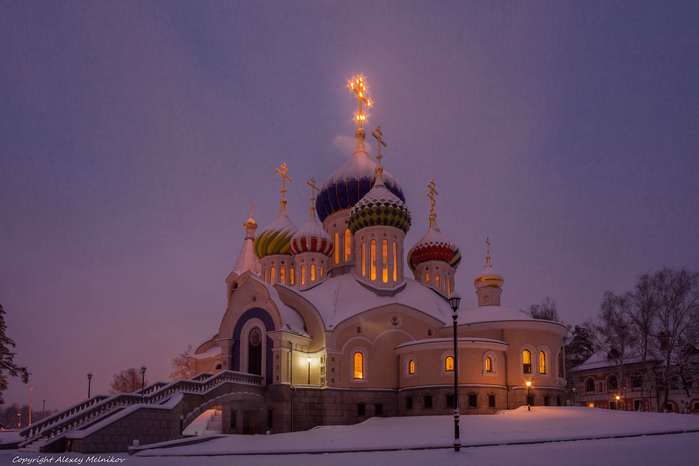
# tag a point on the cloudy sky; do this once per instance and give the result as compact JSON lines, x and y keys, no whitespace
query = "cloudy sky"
{"x":133,"y":135}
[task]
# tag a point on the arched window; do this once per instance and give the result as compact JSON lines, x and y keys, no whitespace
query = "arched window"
{"x":373,"y":259}
{"x":292,"y":275}
{"x":218,"y":367}
{"x":337,"y":248}
{"x":527,"y":361}
{"x":542,"y":362}
{"x":385,"y":261}
{"x":322,"y":272}
{"x":612,"y":382}
{"x":313,"y":272}
{"x":282,"y":275}
{"x":448,"y":287}
{"x":348,"y":245}
{"x":411,"y":367}
{"x":272,"y":276}
{"x":486,"y":299}
{"x":264,"y":273}
{"x":255,"y":351}
{"x":395,"y":262}
{"x":488,"y":364}
{"x":427,"y":277}
{"x":436,"y":279}
{"x":449,"y":363}
{"x":590,"y":385}
{"x":358,"y":365}
{"x":561,"y":365}
{"x":303,"y":274}
{"x":363,"y":259}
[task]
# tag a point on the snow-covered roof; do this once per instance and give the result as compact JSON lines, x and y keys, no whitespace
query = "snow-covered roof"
{"x":600,"y":360}
{"x":210,"y":353}
{"x":490,"y":314}
{"x":340,"y":298}
{"x":291,"y":319}
{"x":247,"y":260}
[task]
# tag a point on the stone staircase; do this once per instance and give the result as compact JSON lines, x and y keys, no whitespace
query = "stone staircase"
{"x":215,"y":424}
{"x":56,"y":433}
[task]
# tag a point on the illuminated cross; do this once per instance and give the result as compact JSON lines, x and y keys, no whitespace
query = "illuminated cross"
{"x":251,"y":210}
{"x":487,"y":254}
{"x":312,"y":184}
{"x":379,"y":143}
{"x":282,"y":172}
{"x":433,"y":192}
{"x":358,"y":87}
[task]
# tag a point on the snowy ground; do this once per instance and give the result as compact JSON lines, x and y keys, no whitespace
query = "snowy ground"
{"x":542,"y":424}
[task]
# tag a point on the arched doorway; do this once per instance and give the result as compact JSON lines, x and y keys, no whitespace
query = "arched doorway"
{"x":255,"y":351}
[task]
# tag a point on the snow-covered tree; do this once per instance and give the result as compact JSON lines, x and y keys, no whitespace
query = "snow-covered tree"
{"x":7,"y":364}
{"x":126,"y":381}
{"x":180,"y":365}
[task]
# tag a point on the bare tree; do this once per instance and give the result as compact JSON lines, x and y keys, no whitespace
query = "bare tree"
{"x":180,"y":365}
{"x":7,"y":364}
{"x":546,"y":310}
{"x":126,"y":381}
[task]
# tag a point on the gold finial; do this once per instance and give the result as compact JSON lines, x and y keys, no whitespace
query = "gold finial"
{"x":379,"y":142}
{"x":250,"y":223}
{"x":487,"y":253}
{"x":433,"y":192}
{"x":312,"y":184}
{"x":360,"y":89}
{"x":251,"y":210}
{"x":282,"y":172}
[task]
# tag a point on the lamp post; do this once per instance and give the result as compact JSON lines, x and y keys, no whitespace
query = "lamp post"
{"x":454,"y":301}
{"x":89,"y":382}
{"x":529,"y":406}
{"x":43,"y":410}
{"x":617,"y":402}
{"x":309,"y":370}
{"x":143,"y":381}
{"x":19,"y":423}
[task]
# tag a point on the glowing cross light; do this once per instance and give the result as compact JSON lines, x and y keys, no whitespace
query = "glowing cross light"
{"x":312,"y":184}
{"x":282,"y":172}
{"x":433,"y":192}
{"x":251,"y":210}
{"x":360,"y":89}
{"x":379,"y":142}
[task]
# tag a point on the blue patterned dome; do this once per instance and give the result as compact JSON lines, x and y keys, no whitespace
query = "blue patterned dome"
{"x":351,"y":182}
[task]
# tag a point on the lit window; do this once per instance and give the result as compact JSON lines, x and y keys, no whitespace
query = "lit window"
{"x":449,"y":363}
{"x":282,"y":275}
{"x":542,"y":362}
{"x":363,"y":260}
{"x":591,"y":405}
{"x":373,"y":259}
{"x":358,"y":365}
{"x":427,"y":277}
{"x":322,"y":272}
{"x":411,"y":367}
{"x":436,"y":280}
{"x":348,"y":244}
{"x":527,"y":361}
{"x":385,"y":261}
{"x":272,"y":276}
{"x":395,"y":262}
{"x":488,"y":364}
{"x":292,"y":275}
{"x":449,"y":288}
{"x":337,"y":248}
{"x":313,"y":272}
{"x":265,"y":274}
{"x":303,"y":274}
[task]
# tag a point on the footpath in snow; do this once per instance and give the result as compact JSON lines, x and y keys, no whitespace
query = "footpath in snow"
{"x":541,"y":424}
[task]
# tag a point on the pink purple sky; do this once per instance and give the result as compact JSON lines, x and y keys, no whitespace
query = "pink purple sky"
{"x":133,"y":135}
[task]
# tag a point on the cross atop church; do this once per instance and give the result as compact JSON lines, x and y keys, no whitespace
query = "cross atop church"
{"x":282,"y":171}
{"x":379,"y":142}
{"x":487,"y":253}
{"x":360,"y":89}
{"x":433,"y":192}
{"x":251,"y":210}
{"x":312,"y":184}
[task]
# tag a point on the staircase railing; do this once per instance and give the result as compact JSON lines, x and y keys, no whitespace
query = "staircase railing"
{"x":97,"y":406}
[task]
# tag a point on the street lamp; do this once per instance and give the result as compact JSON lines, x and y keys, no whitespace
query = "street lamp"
{"x":617,"y":402}
{"x":309,"y":370}
{"x":454,"y":301}
{"x":143,"y":381}
{"x":19,"y":423}
{"x":89,"y":381}
{"x":529,"y":406}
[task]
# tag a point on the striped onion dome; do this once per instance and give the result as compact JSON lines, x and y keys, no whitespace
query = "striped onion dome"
{"x":380,"y":207}
{"x":275,"y":238}
{"x":351,"y":182}
{"x":434,"y":246}
{"x":311,"y":238}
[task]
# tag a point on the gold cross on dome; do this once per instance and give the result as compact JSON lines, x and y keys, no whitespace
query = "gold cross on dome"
{"x":312,"y":184}
{"x":251,"y":210}
{"x":487,"y":242}
{"x":360,"y":89}
{"x":282,"y":172}
{"x":433,"y":192}
{"x":379,"y":142}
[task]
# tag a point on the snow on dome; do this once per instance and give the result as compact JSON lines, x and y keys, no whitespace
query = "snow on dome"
{"x":311,"y":238}
{"x":379,"y":207}
{"x":351,"y":182}
{"x":433,"y":246}
{"x":488,"y":278}
{"x":276,"y":237}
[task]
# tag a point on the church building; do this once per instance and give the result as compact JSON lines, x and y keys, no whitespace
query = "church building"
{"x":339,"y":331}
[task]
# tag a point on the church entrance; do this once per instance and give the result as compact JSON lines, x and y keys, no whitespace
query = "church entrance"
{"x":251,"y":421}
{"x":255,"y":352}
